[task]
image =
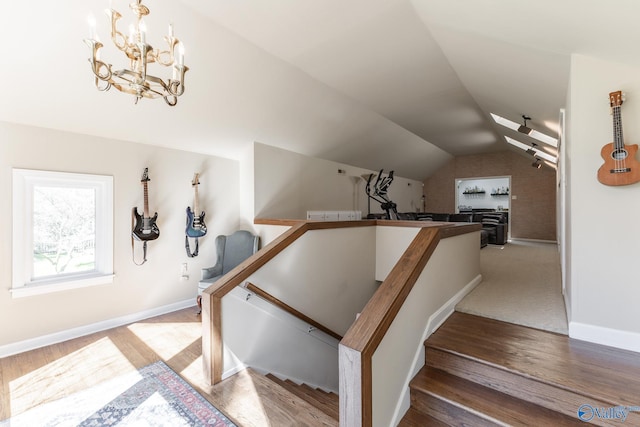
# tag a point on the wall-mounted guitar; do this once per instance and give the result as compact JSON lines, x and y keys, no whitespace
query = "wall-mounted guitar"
{"x":620,"y":165}
{"x":144,"y":227}
{"x":196,"y":227}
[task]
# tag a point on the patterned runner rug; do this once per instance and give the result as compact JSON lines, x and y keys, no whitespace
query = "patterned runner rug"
{"x":153,"y":396}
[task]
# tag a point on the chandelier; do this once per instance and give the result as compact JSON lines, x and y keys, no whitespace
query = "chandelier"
{"x":135,"y":79}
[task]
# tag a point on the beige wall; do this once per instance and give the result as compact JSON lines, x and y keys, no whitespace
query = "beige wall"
{"x":288,"y":184}
{"x":532,"y":213}
{"x":329,"y":275}
{"x":134,"y":289}
{"x":604,"y":229}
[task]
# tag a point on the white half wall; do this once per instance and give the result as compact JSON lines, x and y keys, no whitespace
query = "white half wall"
{"x":451,"y":272}
{"x":135,"y":289}
{"x":604,"y":231}
{"x":327,"y":275}
{"x":391,"y":243}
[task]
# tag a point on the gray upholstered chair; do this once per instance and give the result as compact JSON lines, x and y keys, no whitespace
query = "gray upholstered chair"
{"x":231,"y":251}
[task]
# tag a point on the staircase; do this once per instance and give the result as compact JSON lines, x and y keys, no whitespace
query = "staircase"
{"x":327,"y":402}
{"x":482,"y":372}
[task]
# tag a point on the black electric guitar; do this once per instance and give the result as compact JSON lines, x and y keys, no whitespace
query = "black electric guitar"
{"x":145,"y":227}
{"x":620,"y":165}
{"x":195,"y":222}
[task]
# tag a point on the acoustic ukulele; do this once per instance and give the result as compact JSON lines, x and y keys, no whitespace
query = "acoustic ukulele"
{"x":620,"y":165}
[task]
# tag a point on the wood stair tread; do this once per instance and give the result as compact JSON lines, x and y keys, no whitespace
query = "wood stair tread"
{"x":321,"y":395}
{"x":277,"y":405}
{"x":550,"y":358}
{"x":486,"y":403}
{"x":316,"y":398}
{"x":415,"y":418}
{"x":326,"y":404}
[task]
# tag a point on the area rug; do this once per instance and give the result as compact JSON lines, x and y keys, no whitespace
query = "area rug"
{"x":153,"y":396}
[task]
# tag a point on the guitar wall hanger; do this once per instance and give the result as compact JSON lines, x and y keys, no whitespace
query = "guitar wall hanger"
{"x":143,"y":227}
{"x":196,"y":227}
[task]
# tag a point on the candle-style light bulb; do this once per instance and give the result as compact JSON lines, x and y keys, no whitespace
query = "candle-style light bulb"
{"x":92,"y":26}
{"x":142,"y":27}
{"x":170,"y":30}
{"x":180,"y":54}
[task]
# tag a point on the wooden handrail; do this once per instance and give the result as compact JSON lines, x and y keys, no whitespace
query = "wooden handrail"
{"x":212,"y":348}
{"x":367,"y":331}
{"x":364,"y":336}
{"x":212,"y":344}
{"x":286,"y":307}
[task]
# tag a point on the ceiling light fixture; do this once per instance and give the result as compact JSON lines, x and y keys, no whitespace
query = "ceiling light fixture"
{"x":536,"y":163}
{"x":532,"y":133}
{"x":523,"y":128}
{"x":135,"y":80}
{"x":532,"y":148}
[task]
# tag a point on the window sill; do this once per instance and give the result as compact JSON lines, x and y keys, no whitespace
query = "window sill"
{"x":57,"y":286}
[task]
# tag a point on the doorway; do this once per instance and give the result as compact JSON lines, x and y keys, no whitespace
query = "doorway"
{"x":484,"y":194}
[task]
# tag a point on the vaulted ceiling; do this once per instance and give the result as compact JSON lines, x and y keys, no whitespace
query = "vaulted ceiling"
{"x":393,"y":84}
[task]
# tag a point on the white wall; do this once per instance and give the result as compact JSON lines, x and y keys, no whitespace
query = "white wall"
{"x":391,"y":243}
{"x":328,"y":275}
{"x":483,"y":200}
{"x":134,"y":289}
{"x":247,"y":188}
{"x":288,"y":184}
{"x":604,"y":230}
{"x":267,"y":339}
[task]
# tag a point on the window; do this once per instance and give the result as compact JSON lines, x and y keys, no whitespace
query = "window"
{"x":62,"y":231}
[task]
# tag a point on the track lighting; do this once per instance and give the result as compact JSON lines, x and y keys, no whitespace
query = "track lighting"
{"x":553,"y":142}
{"x":536,"y":163}
{"x":523,"y":128}
{"x":532,"y":151}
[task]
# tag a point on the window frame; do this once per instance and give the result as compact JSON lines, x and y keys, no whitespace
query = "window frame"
{"x":24,"y":182}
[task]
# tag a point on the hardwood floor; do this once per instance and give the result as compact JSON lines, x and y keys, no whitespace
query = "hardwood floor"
{"x":481,"y":371}
{"x":50,"y":373}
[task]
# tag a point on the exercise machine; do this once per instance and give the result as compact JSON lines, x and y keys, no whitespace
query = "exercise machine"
{"x":378,"y":192}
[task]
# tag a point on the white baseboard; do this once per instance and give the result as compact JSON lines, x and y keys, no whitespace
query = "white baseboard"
{"x":439,"y":317}
{"x":57,"y":337}
{"x":237,"y":368}
{"x":624,"y":340}
{"x":520,"y":239}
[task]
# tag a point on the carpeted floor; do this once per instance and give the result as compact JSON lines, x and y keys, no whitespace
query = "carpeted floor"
{"x":521,"y":283}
